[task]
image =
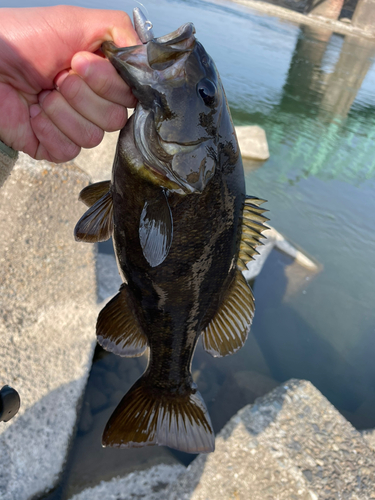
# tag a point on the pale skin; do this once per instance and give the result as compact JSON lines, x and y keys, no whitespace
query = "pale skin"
{"x":56,"y":94}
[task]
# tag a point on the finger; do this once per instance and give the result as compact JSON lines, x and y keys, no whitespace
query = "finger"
{"x":68,"y":30}
{"x":105,"y":114}
{"x":57,"y":145}
{"x":110,"y":25}
{"x":73,"y":125}
{"x":102,"y":78}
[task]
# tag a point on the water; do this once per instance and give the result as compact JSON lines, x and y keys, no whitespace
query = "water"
{"x":314,"y":94}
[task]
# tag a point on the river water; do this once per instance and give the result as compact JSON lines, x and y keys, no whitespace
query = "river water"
{"x":314,"y":94}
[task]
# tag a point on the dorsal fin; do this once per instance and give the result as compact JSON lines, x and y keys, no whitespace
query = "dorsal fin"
{"x":96,"y":224}
{"x":117,"y":328}
{"x":92,"y":193}
{"x":252,"y":226}
{"x":228,"y":330}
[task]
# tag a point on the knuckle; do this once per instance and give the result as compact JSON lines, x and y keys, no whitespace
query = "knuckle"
{"x":50,"y":103}
{"x":68,"y":152}
{"x":93,"y":137}
{"x":71,"y":88}
{"x":105,"y":86}
{"x":115,"y":118}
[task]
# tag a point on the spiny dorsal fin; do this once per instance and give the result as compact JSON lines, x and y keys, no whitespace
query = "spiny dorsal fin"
{"x":147,"y":416}
{"x":228,"y":330}
{"x":252,"y":226}
{"x":117,"y":328}
{"x":96,"y":224}
{"x":91,"y":194}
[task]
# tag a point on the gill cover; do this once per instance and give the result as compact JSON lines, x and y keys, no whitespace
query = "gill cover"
{"x":179,"y":107}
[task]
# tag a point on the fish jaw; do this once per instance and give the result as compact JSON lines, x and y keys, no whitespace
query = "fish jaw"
{"x":175,"y":131}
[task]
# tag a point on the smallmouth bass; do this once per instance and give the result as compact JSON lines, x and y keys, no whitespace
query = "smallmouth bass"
{"x":182,"y":228}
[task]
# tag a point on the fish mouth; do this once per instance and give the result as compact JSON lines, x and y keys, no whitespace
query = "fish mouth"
{"x":158,"y":54}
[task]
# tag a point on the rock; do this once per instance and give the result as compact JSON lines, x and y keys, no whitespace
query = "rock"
{"x":369,"y":436}
{"x":239,"y":388}
{"x":253,"y":142}
{"x":149,"y":484}
{"x":290,"y":444}
{"x":47,"y":319}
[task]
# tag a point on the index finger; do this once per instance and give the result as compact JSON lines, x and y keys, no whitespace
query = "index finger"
{"x":102,"y":78}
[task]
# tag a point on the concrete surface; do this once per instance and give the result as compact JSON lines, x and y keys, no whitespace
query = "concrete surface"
{"x":298,"y":18}
{"x":369,"y":437}
{"x":253,"y":142}
{"x":291,"y":444}
{"x":47,"y":313}
{"x":149,"y":484}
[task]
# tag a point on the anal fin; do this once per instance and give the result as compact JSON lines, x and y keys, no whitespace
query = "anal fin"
{"x":96,"y":224}
{"x":117,"y":328}
{"x":92,"y":193}
{"x":228,"y":330}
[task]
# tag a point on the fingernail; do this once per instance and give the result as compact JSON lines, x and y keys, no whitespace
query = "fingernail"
{"x":81,"y":65}
{"x":42,"y":95}
{"x":34,"y":110}
{"x":60,"y":78}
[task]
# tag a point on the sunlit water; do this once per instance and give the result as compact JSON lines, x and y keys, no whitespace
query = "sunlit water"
{"x":314,"y":94}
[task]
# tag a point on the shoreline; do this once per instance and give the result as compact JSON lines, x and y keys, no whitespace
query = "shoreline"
{"x":296,"y":17}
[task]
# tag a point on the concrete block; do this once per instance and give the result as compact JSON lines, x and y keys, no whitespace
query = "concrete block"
{"x":47,"y":317}
{"x":149,"y":485}
{"x":253,"y":142}
{"x":290,"y":444}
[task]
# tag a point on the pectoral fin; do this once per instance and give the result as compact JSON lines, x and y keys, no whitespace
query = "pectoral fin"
{"x":97,"y":223}
{"x":92,"y":193}
{"x":252,"y":226}
{"x":156,"y":229}
{"x":228,"y":330}
{"x":117,"y":328}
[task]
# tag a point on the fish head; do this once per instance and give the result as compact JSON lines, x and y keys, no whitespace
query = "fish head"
{"x":180,"y":101}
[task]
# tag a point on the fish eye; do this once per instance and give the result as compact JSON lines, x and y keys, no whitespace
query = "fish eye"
{"x":207,"y":90}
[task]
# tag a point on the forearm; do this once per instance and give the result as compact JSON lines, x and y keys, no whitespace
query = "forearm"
{"x":8,"y":158}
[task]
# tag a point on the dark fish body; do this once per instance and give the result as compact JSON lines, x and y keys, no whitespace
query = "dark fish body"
{"x":182,"y":228}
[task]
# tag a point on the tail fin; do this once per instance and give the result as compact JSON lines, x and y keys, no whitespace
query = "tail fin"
{"x":147,"y":416}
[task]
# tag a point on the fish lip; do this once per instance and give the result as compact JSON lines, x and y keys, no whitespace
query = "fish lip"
{"x":110,"y":50}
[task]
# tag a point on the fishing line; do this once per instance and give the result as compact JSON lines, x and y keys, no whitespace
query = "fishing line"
{"x":143,"y":7}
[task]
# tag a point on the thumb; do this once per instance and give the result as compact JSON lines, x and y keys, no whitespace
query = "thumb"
{"x":103,"y":25}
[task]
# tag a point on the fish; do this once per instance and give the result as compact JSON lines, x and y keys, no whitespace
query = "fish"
{"x":183,"y":230}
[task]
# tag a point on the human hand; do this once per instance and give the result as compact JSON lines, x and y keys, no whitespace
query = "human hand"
{"x":45,"y":48}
